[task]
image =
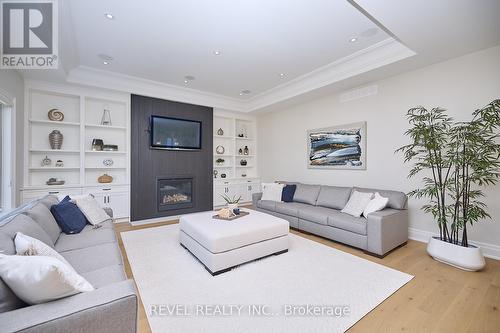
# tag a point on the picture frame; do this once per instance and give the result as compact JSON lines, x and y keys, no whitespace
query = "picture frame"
{"x":337,"y":147}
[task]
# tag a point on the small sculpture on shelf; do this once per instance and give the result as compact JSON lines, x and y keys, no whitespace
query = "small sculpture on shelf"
{"x":46,"y":161}
{"x":55,"y":139}
{"x":55,"y":115}
{"x":240,"y":151}
{"x":105,"y":179}
{"x":223,"y":175}
{"x":215,"y":174}
{"x":220,"y":161}
{"x":243,"y":162}
{"x":108,"y":162}
{"x":54,"y":181}
{"x":106,"y":118}
{"x":246,"y":151}
{"x":59,"y":163}
{"x":220,"y":132}
{"x":220,"y":150}
{"x":110,"y":147}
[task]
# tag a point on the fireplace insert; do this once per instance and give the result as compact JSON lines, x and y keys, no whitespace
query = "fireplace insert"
{"x":174,"y":193}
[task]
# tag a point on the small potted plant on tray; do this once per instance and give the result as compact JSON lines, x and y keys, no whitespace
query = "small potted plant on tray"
{"x":220,"y":161}
{"x":232,"y":203}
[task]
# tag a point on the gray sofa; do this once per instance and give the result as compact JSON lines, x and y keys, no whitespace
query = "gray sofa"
{"x":94,"y":253}
{"x":316,"y":209}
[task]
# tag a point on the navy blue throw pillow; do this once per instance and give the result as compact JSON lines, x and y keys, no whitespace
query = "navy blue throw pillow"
{"x":68,"y":216}
{"x":288,"y":192}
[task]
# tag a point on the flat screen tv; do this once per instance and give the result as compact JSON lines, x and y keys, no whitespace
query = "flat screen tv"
{"x":174,"y":133}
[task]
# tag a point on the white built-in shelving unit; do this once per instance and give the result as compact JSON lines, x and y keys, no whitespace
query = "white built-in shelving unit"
{"x":238,"y":133}
{"x":83,"y":109}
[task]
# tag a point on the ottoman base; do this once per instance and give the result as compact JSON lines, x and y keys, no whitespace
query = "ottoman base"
{"x":217,"y":263}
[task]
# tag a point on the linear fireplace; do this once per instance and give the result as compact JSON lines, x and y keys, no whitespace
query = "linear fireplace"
{"x":174,"y":193}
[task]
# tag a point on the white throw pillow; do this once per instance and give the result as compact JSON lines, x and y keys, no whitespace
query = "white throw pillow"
{"x":272,"y":191}
{"x":39,"y":279}
{"x":29,"y":246}
{"x":377,"y":203}
{"x":91,"y":209}
{"x":357,"y":203}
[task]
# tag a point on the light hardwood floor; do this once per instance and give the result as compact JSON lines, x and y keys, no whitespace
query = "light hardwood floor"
{"x":440,"y":298}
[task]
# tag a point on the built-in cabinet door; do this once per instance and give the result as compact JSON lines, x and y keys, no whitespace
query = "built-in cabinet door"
{"x":116,"y":199}
{"x":27,"y":195}
{"x":248,"y":190}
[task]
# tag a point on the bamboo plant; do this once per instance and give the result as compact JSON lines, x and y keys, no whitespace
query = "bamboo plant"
{"x":458,"y":159}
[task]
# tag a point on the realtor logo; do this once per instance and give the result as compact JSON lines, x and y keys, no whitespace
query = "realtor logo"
{"x":29,"y":34}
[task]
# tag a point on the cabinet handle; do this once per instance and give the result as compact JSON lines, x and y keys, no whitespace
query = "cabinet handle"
{"x":106,"y":189}
{"x":108,"y":198}
{"x":53,"y":192}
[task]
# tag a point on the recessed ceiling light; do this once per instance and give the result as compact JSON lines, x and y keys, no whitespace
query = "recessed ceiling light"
{"x":245,"y":92}
{"x":216,"y":52}
{"x":189,"y":78}
{"x":282,"y":75}
{"x":109,"y":16}
{"x":353,"y":39}
{"x":105,"y":62}
{"x":186,"y":81}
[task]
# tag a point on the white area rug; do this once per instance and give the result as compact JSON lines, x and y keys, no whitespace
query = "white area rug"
{"x":181,"y":296}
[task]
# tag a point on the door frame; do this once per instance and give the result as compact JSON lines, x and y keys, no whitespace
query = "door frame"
{"x":9,"y":103}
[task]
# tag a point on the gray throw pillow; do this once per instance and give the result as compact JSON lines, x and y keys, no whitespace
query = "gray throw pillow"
{"x":42,"y":215}
{"x":307,"y":194}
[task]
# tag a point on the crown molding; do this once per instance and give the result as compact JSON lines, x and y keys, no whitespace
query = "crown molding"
{"x":110,"y":80}
{"x":380,"y":54}
{"x":383,"y":53}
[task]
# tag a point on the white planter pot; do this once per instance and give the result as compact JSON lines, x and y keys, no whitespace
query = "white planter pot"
{"x":467,"y":258}
{"x":231,"y":207}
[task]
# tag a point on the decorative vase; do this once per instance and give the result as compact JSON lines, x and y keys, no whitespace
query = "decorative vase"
{"x":106,"y":118}
{"x":105,"y":179}
{"x":243,"y":162}
{"x":467,"y":258}
{"x":97,"y":144}
{"x":245,"y":151}
{"x":55,"y":139}
{"x":220,"y":132}
{"x":55,"y":115}
{"x":59,"y":163}
{"x":240,"y":151}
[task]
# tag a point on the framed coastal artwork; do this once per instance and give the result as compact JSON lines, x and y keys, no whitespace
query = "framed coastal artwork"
{"x":337,"y":147}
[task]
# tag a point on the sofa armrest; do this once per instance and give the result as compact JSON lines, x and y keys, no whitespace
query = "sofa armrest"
{"x":386,"y":230}
{"x":112,"y":308}
{"x":256,"y":197}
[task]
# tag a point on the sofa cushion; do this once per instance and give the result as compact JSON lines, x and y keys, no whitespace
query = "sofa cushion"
{"x":68,"y":216}
{"x":8,"y":300}
{"x":49,"y":200}
{"x":306,"y":193}
{"x":94,"y":257}
{"x":334,"y":197}
{"x":104,"y":276}
{"x":315,"y":214}
{"x":103,"y":225}
{"x":290,"y":208}
{"x":397,"y":200}
{"x":85,"y":239}
{"x":42,"y":215}
{"x":347,"y":222}
{"x":267,"y":204}
{"x":24,"y":224}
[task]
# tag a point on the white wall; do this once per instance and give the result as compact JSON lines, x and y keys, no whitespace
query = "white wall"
{"x":12,"y":83}
{"x":460,"y":85}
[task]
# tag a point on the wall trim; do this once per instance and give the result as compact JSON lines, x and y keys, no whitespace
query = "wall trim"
{"x":139,"y":86}
{"x":489,"y":250}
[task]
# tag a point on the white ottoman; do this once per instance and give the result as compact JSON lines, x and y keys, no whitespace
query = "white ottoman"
{"x":221,"y":245}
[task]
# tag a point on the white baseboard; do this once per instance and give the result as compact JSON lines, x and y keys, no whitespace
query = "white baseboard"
{"x":489,"y":250}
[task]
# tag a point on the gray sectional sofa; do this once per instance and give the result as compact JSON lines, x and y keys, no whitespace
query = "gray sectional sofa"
{"x":316,"y":209}
{"x":94,"y":253}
